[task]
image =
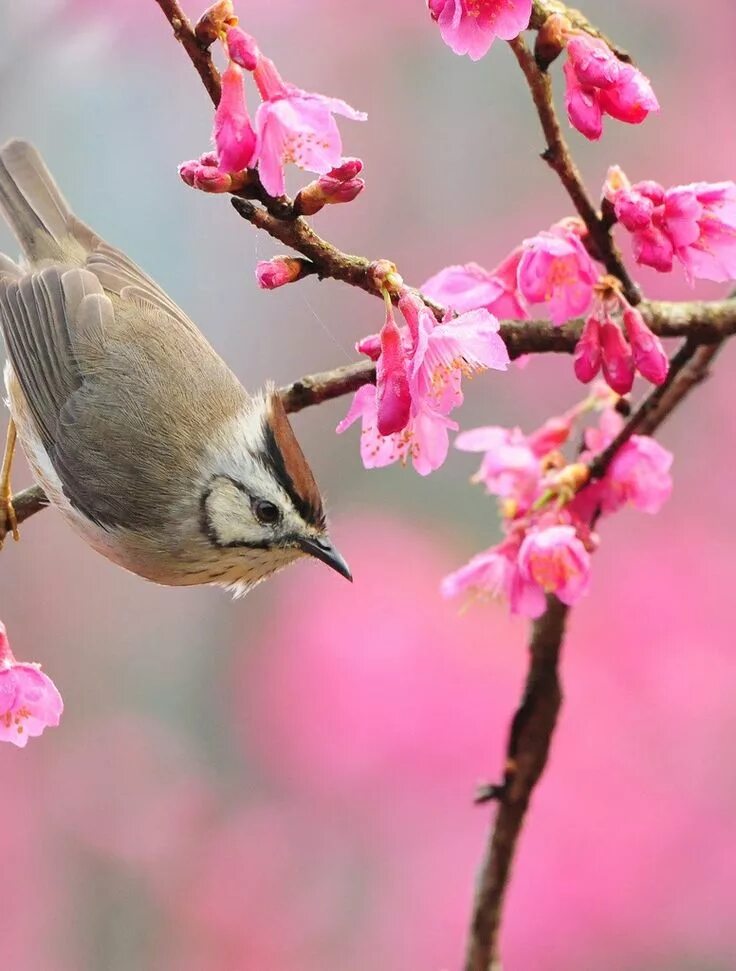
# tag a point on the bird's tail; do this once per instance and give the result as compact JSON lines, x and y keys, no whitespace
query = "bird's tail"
{"x":36,"y":211}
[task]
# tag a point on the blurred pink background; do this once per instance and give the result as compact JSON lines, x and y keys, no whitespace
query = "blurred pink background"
{"x":285,"y":782}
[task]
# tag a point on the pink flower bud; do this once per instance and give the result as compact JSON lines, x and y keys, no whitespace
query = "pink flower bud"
{"x":242,"y":48}
{"x":616,"y":358}
{"x":208,"y":158}
{"x":593,"y":61}
{"x":634,"y":211}
{"x":588,"y":351}
{"x":583,"y":109}
{"x":327,"y":191}
{"x":235,"y":139}
{"x":649,"y":355}
{"x":274,"y":273}
{"x":186,"y":171}
{"x":393,"y":398}
{"x":208,"y":178}
{"x":346,"y":170}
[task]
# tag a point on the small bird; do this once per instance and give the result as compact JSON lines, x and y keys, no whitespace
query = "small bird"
{"x":136,"y":429}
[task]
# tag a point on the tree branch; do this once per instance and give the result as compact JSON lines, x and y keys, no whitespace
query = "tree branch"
{"x":199,"y":53}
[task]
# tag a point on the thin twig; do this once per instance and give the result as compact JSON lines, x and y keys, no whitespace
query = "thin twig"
{"x":199,"y":53}
{"x":543,"y":9}
{"x":558,"y":157}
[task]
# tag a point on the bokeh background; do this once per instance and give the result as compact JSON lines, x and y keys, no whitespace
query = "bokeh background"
{"x":284,"y":783}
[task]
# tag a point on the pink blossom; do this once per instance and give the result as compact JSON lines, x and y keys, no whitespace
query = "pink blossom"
{"x":555,"y":268}
{"x":393,"y":398}
{"x":424,"y":440}
{"x":296,"y":126}
{"x":235,"y":139}
{"x":470,"y":26}
{"x":588,"y":351}
{"x":551,"y":560}
{"x":470,"y":287}
{"x":616,"y":358}
{"x":277,"y":272}
{"x":650,"y":359}
{"x":29,"y":699}
{"x":443,"y":353}
{"x":597,"y":83}
{"x":489,"y":573}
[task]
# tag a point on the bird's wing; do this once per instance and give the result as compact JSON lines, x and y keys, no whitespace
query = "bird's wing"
{"x":123,"y":388}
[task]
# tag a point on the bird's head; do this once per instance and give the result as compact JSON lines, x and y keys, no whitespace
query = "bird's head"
{"x":261,"y":507}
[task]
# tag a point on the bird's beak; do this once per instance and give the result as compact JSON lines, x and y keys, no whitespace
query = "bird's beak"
{"x":322,"y":549}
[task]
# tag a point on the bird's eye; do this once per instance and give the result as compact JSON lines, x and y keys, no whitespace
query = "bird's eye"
{"x":266,"y":512}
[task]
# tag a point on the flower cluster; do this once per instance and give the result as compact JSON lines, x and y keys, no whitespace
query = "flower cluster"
{"x":470,"y":26}
{"x":618,"y":352}
{"x":291,"y":126}
{"x":694,"y":223}
{"x":29,"y":699}
{"x":597,"y":83}
{"x":419,"y":371}
{"x":547,"y":546}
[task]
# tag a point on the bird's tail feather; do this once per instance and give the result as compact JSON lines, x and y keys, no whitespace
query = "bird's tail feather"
{"x":35,"y":209}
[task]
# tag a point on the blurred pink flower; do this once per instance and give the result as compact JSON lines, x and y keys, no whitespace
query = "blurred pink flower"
{"x":555,"y":269}
{"x":489,"y":573}
{"x":510,"y":466}
{"x":550,"y":560}
{"x":233,"y":134}
{"x":597,"y":83}
{"x":471,"y":26}
{"x":29,"y":699}
{"x":295,"y":126}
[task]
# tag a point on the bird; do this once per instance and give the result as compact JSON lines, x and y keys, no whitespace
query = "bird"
{"x":138,"y":432}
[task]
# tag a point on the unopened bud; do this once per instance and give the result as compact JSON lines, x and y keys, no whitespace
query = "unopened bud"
{"x":616,"y":358}
{"x":242,"y":48}
{"x":208,"y":178}
{"x":386,"y":276}
{"x":587,"y":361}
{"x":346,"y":170}
{"x":279,"y":271}
{"x":649,"y":355}
{"x":326,"y":191}
{"x":370,"y":346}
{"x":214,"y":21}
{"x":551,"y":39}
